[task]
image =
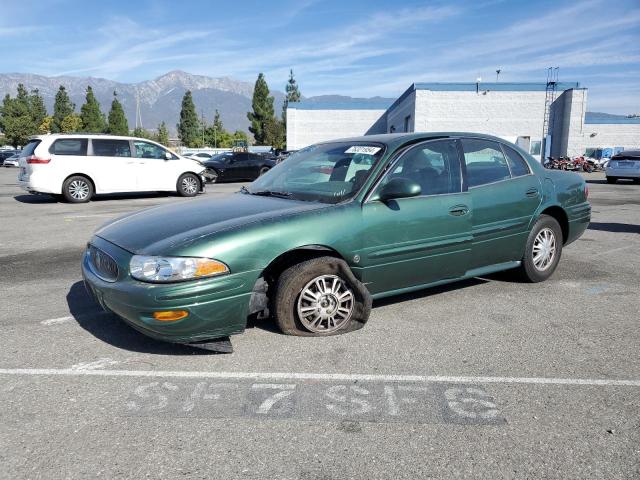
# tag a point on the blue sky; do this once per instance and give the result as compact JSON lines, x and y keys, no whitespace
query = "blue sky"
{"x":358,"y":48}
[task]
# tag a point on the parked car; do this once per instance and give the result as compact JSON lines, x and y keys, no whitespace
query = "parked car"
{"x":12,"y":161}
{"x":4,"y":154}
{"x":624,"y":165}
{"x":77,"y":166}
{"x":202,"y":156}
{"x":320,"y":235}
{"x":235,"y":166}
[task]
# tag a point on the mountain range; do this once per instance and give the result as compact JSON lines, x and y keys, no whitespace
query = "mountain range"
{"x":160,"y":99}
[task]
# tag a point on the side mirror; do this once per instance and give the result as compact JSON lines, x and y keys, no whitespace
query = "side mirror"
{"x":167,"y":156}
{"x":399,"y":188}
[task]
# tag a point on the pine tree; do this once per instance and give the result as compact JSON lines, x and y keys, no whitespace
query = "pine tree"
{"x":293,"y":95}
{"x":92,"y":117}
{"x":216,"y":132}
{"x":37,"y":108}
{"x":163,"y":135}
{"x":189,"y":126}
{"x":62,"y":108}
{"x":262,"y":105}
{"x":117,"y":120}
{"x":143,"y":133}
{"x":15,"y":118}
{"x":274,"y":130}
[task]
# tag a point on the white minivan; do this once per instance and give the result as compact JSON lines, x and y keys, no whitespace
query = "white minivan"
{"x":77,"y":166}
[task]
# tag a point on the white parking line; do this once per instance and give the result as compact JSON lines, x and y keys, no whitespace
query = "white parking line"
{"x":348,"y":377}
{"x":55,"y":321}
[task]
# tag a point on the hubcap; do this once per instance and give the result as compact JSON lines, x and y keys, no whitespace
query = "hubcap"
{"x":189,"y":185}
{"x":325,"y":304}
{"x":544,"y":249}
{"x":79,"y":189}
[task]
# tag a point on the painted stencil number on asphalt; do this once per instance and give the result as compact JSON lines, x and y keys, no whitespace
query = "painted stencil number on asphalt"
{"x":471,"y":403}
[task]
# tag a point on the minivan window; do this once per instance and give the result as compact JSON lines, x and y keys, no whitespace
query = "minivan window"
{"x":149,"y":150}
{"x":69,"y":146}
{"x":485,"y":162}
{"x":518,"y":166}
{"x":111,"y":148}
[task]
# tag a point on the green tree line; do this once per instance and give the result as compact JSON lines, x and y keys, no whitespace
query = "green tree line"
{"x":25,"y":115}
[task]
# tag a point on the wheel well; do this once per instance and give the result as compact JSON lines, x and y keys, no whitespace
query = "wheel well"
{"x":292,"y":257}
{"x":93,"y":184}
{"x":561,"y":217}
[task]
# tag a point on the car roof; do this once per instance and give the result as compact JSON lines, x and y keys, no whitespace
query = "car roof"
{"x":628,"y":153}
{"x":87,"y":135}
{"x":393,"y":140}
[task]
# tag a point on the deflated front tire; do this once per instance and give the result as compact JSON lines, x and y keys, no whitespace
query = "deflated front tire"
{"x":320,"y":297}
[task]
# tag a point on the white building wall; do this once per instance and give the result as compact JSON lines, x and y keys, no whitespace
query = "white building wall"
{"x":504,"y":114}
{"x":397,"y":115}
{"x":306,"y":127}
{"x":610,"y":135}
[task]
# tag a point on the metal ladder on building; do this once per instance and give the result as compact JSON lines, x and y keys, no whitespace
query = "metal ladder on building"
{"x":550,"y":97}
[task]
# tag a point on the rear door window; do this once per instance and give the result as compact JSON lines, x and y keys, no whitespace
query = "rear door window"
{"x":485,"y":162}
{"x":517,"y":164}
{"x":69,"y":146}
{"x":111,"y":148}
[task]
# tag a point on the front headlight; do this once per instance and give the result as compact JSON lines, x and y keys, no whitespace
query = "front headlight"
{"x":174,"y":269}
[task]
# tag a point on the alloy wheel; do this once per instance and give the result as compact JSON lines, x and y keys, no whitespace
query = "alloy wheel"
{"x":189,"y":185}
{"x":325,"y":304}
{"x":79,"y":189}
{"x":544,"y":249}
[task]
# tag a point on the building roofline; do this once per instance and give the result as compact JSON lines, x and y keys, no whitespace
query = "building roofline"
{"x":377,"y":105}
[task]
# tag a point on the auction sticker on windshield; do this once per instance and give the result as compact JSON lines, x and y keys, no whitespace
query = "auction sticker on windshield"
{"x":367,"y":150}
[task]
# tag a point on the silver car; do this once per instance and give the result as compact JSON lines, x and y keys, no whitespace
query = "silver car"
{"x":624,"y":165}
{"x":12,"y":161}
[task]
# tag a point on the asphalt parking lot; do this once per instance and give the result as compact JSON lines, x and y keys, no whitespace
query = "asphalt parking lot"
{"x":486,"y":378}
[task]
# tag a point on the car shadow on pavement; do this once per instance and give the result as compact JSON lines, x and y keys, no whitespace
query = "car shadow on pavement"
{"x":615,"y":227}
{"x":26,"y":198}
{"x":112,"y":330}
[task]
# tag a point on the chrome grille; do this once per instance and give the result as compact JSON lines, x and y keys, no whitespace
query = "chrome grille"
{"x":102,"y":264}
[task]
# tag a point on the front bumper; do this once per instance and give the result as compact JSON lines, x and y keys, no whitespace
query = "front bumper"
{"x":217,"y":306}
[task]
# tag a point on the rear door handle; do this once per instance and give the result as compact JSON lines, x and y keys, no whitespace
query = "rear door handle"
{"x":532,"y":192}
{"x":458,"y":210}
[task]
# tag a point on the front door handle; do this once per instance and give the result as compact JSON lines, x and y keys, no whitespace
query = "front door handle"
{"x":532,"y":192}
{"x":458,"y":210}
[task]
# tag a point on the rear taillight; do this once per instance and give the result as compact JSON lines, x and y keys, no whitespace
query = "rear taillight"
{"x":33,"y":159}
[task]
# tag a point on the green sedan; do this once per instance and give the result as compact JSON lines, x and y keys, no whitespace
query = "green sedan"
{"x":313,"y":241}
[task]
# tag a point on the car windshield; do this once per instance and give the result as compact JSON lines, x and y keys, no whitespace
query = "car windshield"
{"x":327,"y":173}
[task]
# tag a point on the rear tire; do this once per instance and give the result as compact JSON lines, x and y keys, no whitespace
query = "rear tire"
{"x":188,"y":185}
{"x":612,"y":179}
{"x":262,"y":171}
{"x":542,"y":251}
{"x":77,"y":189}
{"x":327,"y":289}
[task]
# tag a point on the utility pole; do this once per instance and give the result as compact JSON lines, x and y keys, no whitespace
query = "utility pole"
{"x":202,"y":121}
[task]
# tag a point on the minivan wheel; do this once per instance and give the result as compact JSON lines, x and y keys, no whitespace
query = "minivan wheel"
{"x":77,"y":189}
{"x":188,"y":185}
{"x":542,"y":251}
{"x":320,"y":297}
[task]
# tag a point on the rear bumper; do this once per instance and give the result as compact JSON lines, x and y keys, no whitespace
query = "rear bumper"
{"x":622,"y":172}
{"x":32,"y":184}
{"x":217,"y":307}
{"x":579,"y":219}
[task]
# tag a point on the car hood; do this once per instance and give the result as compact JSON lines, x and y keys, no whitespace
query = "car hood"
{"x":157,"y":230}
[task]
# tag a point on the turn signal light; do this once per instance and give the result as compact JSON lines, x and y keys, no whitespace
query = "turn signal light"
{"x":170,"y":315}
{"x":33,"y":159}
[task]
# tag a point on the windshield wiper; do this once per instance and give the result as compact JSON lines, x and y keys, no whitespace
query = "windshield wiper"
{"x":270,"y":193}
